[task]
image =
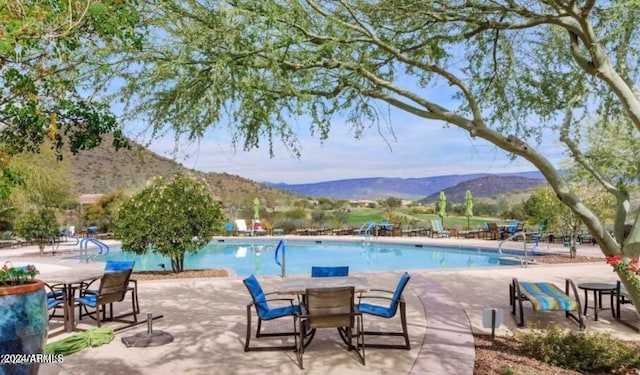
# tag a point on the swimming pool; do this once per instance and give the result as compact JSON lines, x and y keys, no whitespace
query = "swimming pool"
{"x":251,"y":256}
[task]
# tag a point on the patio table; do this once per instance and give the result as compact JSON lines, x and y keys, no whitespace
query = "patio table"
{"x":69,"y":281}
{"x":300,"y":285}
{"x":598,"y":290}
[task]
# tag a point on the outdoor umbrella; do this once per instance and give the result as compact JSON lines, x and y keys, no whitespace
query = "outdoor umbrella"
{"x":256,"y":215}
{"x":90,"y":338}
{"x":442,"y":207}
{"x":256,"y":210}
{"x":468,"y":207}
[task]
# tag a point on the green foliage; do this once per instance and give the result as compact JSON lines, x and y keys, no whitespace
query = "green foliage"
{"x":10,"y":275}
{"x":44,"y":180}
{"x":585,"y":352}
{"x":514,"y":212}
{"x":102,"y":212}
{"x":340,"y":216}
{"x":288,"y":225}
{"x":296,"y":214}
{"x":393,"y":202}
{"x":318,"y":217}
{"x":44,"y":48}
{"x":326,"y":203}
{"x":170,"y":218}
{"x":37,"y":224}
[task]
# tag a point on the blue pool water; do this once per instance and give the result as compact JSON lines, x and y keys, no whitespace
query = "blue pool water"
{"x":250,"y":256}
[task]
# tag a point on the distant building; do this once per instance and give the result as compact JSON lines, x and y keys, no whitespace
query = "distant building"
{"x":363,"y":203}
{"x":89,"y":198}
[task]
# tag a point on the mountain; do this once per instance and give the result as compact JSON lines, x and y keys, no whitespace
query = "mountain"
{"x":103,"y":169}
{"x":412,"y":188}
{"x":486,"y":186}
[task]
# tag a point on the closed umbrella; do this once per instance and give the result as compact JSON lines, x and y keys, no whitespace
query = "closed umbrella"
{"x":468,"y":207}
{"x":90,"y":338}
{"x":255,"y":225}
{"x":442,"y":207}
{"x":256,"y":210}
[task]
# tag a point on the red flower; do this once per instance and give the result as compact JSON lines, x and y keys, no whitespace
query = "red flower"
{"x":614,"y":259}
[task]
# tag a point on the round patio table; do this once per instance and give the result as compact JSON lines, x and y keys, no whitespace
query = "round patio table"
{"x":598,"y":290}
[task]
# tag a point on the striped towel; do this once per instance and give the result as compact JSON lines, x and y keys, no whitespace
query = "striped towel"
{"x":547,"y":296}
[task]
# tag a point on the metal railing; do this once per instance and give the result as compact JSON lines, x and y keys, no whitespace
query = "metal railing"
{"x":283,"y":268}
{"x":524,"y":263}
{"x":84,"y":245}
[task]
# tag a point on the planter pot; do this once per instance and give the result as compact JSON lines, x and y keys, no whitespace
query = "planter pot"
{"x":24,"y":320}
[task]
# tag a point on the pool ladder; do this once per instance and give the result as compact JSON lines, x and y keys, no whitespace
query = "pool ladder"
{"x":84,"y":245}
{"x":524,"y":263}
{"x":283,"y":264}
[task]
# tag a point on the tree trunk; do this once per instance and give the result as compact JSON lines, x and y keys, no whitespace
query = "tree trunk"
{"x":41,"y":246}
{"x":177,"y":263}
{"x":633,"y":291}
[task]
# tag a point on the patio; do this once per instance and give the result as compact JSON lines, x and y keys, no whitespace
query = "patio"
{"x":444,"y":307}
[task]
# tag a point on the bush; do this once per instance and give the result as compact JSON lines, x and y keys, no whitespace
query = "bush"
{"x":591,"y":353}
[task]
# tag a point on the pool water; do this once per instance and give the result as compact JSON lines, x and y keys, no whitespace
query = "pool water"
{"x":250,"y":256}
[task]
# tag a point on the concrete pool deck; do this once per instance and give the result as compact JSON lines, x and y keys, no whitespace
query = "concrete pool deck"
{"x":444,"y":309}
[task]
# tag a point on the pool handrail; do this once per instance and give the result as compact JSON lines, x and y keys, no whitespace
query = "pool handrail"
{"x":524,"y":263}
{"x":84,"y":245}
{"x":281,"y":244}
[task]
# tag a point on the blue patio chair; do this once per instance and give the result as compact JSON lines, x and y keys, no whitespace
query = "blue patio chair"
{"x":114,"y":286}
{"x":396,"y":300}
{"x":331,"y":308}
{"x":318,"y":271}
{"x":266,"y":312}
{"x":116,"y":266}
{"x":113,"y":266}
{"x":56,"y":299}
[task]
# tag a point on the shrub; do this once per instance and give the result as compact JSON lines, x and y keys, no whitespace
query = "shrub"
{"x":592,"y":353}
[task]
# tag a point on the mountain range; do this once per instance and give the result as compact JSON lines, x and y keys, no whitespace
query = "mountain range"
{"x":102,"y":170}
{"x":425,"y":189}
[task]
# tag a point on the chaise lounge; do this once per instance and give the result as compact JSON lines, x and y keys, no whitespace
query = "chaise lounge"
{"x":545,"y":297}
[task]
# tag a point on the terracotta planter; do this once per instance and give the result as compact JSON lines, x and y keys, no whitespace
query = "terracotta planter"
{"x":24,"y":320}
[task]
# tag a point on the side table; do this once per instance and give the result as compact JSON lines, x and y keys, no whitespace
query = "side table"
{"x":598,"y":290}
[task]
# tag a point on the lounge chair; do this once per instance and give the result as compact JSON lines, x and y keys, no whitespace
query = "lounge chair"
{"x":265,"y":312}
{"x":494,"y":232}
{"x":258,"y":230}
{"x":114,"y":286}
{"x":241,"y":227}
{"x":331,"y":308}
{"x":437,"y":229}
{"x":336,"y":271}
{"x":541,"y":232}
{"x":545,"y":297}
{"x":395,"y":300}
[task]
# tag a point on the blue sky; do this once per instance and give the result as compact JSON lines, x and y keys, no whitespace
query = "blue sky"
{"x":421,"y":148}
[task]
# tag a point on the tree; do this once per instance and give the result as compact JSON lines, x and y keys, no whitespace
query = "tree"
{"x":392,"y":202}
{"x":518,"y":74}
{"x":102,"y":212}
{"x":171,"y":218}
{"x":44,"y":180}
{"x":44,"y":52}
{"x":543,"y":205}
{"x":37,"y":225}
